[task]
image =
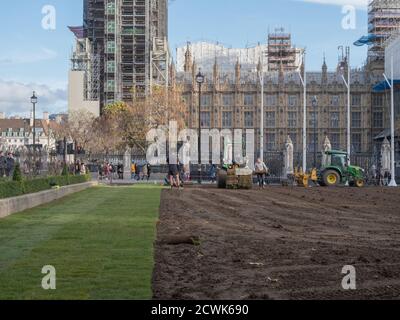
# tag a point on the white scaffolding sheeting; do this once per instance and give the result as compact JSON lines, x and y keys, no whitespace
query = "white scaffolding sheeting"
{"x":392,"y":50}
{"x":205,"y":53}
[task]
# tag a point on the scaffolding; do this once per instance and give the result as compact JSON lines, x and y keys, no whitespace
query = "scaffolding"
{"x":93,"y":27}
{"x":84,"y":59}
{"x":281,"y":53}
{"x":111,"y":52}
{"x":383,"y":20}
{"x":130,"y":37}
{"x":159,"y":51}
{"x":160,"y":60}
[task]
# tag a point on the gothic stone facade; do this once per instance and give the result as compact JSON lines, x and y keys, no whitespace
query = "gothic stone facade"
{"x":233,"y":100}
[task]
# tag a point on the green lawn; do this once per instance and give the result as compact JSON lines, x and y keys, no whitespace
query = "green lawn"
{"x":100,"y":241}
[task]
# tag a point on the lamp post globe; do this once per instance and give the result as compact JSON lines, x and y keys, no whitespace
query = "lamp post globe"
{"x":34,"y":98}
{"x":200,"y":78}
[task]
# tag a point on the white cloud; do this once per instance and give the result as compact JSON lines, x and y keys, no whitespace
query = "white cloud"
{"x":43,"y":54}
{"x":360,"y":4}
{"x":15,"y":98}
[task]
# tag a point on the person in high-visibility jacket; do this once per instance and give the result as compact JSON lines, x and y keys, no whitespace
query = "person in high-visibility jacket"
{"x":133,"y":170}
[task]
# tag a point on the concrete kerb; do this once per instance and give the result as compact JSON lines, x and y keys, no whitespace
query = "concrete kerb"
{"x":13,"y":205}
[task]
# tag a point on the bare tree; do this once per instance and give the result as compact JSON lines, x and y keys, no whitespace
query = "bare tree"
{"x":80,"y":129}
{"x":106,"y":135}
{"x":135,"y":119}
{"x":77,"y":129}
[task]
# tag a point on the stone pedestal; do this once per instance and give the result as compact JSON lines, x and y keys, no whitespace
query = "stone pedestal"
{"x":288,"y":167}
{"x":127,"y":165}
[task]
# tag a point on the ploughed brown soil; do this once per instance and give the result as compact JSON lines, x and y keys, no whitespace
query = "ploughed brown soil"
{"x":277,"y":243}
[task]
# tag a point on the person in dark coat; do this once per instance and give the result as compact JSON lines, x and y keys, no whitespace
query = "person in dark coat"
{"x":120,"y":171}
{"x":3,"y":164}
{"x":148,"y":171}
{"x":173,"y":174}
{"x":10,"y":165}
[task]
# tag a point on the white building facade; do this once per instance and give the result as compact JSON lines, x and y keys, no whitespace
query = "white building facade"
{"x":17,"y":132}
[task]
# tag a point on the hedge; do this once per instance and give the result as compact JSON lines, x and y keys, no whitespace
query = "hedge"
{"x":10,"y":189}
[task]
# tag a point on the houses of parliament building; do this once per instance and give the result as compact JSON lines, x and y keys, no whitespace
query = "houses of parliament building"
{"x":231,"y":99}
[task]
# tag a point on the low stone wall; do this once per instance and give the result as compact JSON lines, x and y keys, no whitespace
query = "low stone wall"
{"x":17,"y":204}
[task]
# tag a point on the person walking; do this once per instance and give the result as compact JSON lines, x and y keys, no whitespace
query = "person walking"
{"x":100,"y":170}
{"x":261,"y":170}
{"x":173,"y":174}
{"x":213,"y":172}
{"x":186,"y":172}
{"x":106,"y":170}
{"x":3,"y":164}
{"x":77,"y":167}
{"x":148,"y":171}
{"x":114,"y":170}
{"x":83,"y":169}
{"x":10,"y":163}
{"x":133,"y":170}
{"x":120,"y":171}
{"x":145,"y":172}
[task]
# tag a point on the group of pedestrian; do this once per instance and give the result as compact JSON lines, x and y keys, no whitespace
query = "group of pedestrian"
{"x":7,"y":164}
{"x":179,"y":173}
{"x":174,"y":174}
{"x":141,"y":173}
{"x":106,"y":171}
{"x":80,"y":168}
{"x":379,"y":177}
{"x":110,"y":171}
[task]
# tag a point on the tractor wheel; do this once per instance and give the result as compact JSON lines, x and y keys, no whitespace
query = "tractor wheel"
{"x":221,"y":179}
{"x":330,"y":178}
{"x":359,"y":183}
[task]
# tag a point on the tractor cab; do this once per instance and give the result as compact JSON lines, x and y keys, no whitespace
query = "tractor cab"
{"x":335,"y":158}
{"x":336,"y":170}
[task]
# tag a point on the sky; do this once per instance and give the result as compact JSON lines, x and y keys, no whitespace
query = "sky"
{"x":32,"y":58}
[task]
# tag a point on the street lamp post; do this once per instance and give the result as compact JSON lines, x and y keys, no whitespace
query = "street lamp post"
{"x":315,"y":102}
{"x":34,"y":101}
{"x":200,"y":81}
{"x":347,"y":84}
{"x":303,"y":79}
{"x":392,"y":160}
{"x":261,"y":76}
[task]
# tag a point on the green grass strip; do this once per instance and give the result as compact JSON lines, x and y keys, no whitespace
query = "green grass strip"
{"x":100,"y":241}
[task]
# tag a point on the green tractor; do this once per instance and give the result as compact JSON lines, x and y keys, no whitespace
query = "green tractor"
{"x":335,"y":171}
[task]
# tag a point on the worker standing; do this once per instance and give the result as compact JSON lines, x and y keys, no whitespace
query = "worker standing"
{"x":261,"y":170}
